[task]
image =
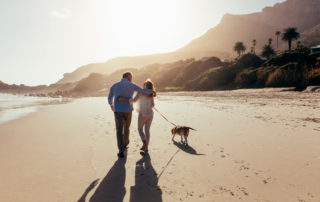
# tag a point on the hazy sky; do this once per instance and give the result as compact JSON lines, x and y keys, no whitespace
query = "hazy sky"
{"x":41,"y":39}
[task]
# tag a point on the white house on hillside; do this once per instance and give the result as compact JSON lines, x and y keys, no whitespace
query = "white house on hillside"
{"x":315,"y":49}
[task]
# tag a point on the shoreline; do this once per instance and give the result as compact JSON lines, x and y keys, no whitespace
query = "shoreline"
{"x":309,"y":89}
{"x":13,"y":107}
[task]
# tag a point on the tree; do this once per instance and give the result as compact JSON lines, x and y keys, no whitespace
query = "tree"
{"x":267,"y":51}
{"x":278,"y":34}
{"x":270,"y":41}
{"x":254,"y":43}
{"x":301,"y":48}
{"x":239,"y":48}
{"x":289,"y":35}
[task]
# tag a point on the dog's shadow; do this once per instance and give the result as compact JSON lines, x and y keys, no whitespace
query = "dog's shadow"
{"x":186,"y":148}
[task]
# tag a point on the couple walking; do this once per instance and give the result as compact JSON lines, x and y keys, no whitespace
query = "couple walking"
{"x":120,"y":100}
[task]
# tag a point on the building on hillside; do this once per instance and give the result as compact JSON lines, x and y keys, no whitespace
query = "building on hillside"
{"x":315,"y":49}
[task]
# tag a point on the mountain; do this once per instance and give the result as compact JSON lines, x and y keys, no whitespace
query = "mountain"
{"x":233,"y":28}
{"x":134,"y":62}
{"x":219,"y":41}
{"x":311,"y":37}
{"x":22,"y":89}
{"x":303,"y":14}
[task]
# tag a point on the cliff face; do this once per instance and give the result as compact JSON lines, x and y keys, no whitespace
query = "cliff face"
{"x":233,"y":28}
{"x":219,"y":41}
{"x":311,"y":37}
{"x":303,"y":14}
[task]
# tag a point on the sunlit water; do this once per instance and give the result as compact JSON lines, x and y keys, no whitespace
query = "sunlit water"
{"x":15,"y":106}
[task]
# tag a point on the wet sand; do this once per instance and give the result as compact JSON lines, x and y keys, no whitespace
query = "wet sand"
{"x":249,"y":145}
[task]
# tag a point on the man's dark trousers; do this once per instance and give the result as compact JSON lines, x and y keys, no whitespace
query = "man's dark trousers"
{"x":123,"y":121}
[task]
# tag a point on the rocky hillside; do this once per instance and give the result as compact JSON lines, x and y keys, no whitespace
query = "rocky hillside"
{"x":303,"y":14}
{"x":218,"y":41}
{"x":311,"y":37}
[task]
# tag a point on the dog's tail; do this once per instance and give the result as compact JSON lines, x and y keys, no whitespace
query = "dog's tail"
{"x":191,"y":128}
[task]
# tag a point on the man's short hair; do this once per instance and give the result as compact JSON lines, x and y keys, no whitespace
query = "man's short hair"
{"x":126,"y":74}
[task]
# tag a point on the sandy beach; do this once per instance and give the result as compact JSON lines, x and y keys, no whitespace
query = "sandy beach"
{"x":249,"y":145}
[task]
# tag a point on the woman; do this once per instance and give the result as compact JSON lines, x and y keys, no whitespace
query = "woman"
{"x":145,"y":105}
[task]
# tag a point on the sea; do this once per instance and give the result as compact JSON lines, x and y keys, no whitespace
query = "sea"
{"x":16,"y":106}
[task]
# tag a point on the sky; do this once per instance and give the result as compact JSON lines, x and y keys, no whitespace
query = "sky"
{"x":40,"y":40}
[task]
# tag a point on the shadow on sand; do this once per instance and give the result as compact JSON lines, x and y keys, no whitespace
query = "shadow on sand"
{"x":146,"y":187}
{"x":315,"y":88}
{"x":185,"y":148}
{"x":111,"y":187}
{"x":90,"y":187}
{"x":287,"y":90}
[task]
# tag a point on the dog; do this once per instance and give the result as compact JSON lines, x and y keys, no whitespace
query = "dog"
{"x":183,"y":131}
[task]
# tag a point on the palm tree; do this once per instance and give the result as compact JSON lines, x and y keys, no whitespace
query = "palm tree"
{"x":267,"y":51}
{"x":290,"y":34}
{"x":254,"y":43}
{"x":270,"y":41}
{"x":278,"y":34}
{"x":239,"y":47}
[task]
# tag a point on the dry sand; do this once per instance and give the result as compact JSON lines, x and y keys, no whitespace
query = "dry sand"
{"x":250,"y":145}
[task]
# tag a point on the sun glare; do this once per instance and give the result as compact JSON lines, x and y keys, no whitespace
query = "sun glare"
{"x":149,"y":21}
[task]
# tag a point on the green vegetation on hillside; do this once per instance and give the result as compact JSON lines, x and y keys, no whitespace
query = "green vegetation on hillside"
{"x":286,"y":69}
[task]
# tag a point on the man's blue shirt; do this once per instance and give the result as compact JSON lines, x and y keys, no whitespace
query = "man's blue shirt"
{"x":124,"y":88}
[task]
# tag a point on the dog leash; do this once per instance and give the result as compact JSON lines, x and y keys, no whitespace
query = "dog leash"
{"x":164,"y":117}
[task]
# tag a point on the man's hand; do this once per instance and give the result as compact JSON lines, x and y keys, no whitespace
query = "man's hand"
{"x":154,"y":93}
{"x":112,"y":108}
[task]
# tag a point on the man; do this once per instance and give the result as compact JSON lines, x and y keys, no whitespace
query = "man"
{"x":123,"y":110}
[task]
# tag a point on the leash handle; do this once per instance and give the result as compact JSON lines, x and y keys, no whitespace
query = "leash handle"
{"x":164,"y":117}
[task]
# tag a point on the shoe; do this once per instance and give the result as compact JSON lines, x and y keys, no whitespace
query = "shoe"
{"x":120,"y":154}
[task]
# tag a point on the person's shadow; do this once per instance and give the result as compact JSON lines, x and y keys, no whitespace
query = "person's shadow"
{"x":146,"y":187}
{"x":112,"y":186}
{"x":188,"y":149}
{"x":90,"y":187}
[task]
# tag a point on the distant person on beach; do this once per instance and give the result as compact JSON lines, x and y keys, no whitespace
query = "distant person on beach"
{"x":145,"y":105}
{"x":123,"y":110}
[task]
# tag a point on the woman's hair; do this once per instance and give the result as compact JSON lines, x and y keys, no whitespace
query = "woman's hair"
{"x":150,"y":85}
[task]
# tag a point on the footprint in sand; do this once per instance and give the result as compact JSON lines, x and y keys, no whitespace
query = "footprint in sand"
{"x":239,"y":161}
{"x":224,"y":155}
{"x":201,"y":195}
{"x":243,"y":190}
{"x":223,"y":190}
{"x":268,"y":180}
{"x":243,"y":167}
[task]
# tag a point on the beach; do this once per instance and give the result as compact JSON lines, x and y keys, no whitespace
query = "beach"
{"x":249,"y":145}
{"x":14,"y":106}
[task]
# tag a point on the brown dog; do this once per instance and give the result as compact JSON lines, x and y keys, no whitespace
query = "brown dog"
{"x":183,"y":131}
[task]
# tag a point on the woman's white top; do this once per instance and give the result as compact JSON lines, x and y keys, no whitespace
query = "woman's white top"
{"x":144,"y":105}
